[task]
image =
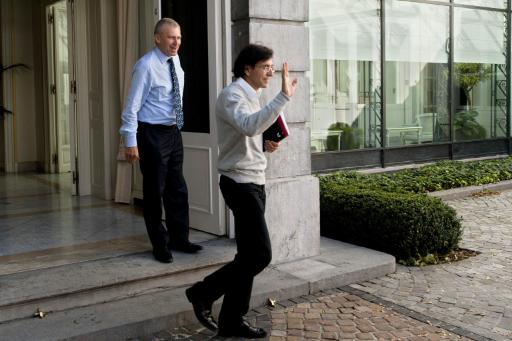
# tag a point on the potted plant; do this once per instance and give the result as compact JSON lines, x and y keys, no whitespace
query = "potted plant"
{"x":350,"y":137}
{"x":4,"y":110}
{"x":466,"y":126}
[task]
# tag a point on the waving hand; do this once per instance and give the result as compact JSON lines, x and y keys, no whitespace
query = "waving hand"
{"x":288,"y":87}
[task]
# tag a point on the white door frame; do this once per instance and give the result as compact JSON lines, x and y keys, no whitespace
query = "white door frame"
{"x":199,"y":145}
{"x":54,"y":90}
{"x":209,"y":212}
{"x":50,"y":97}
{"x":229,"y":220}
{"x":9,"y":81}
{"x":79,"y":97}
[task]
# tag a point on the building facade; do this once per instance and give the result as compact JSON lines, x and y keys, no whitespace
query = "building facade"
{"x":397,"y":81}
{"x":381,"y":82}
{"x":80,"y":53}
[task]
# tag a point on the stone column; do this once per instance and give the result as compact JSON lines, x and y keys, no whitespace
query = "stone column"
{"x":293,"y":209}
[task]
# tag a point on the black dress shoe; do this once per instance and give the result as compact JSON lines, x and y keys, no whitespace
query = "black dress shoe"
{"x":163,"y":256}
{"x":244,"y":330}
{"x":187,"y":247}
{"x":202,"y":310}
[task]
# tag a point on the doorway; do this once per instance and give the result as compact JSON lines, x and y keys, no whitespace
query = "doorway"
{"x":58,"y":81}
{"x":205,"y":30}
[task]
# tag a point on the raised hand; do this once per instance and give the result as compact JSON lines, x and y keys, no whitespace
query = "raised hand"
{"x":288,"y":87}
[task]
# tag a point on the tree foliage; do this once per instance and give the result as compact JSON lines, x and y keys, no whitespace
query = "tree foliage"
{"x":468,"y":75}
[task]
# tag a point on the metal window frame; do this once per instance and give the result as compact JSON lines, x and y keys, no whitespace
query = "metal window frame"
{"x":385,"y":156}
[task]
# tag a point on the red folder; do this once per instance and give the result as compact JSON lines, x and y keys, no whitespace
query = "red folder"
{"x":277,"y":131}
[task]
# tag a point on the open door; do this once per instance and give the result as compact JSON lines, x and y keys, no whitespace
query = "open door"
{"x":202,"y":26}
{"x":58,"y":87}
{"x":205,"y":27}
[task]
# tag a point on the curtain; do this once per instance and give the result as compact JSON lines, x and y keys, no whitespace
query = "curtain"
{"x":128,"y":45}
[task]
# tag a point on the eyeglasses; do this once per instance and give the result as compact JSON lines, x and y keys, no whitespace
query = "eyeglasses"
{"x":267,"y":67}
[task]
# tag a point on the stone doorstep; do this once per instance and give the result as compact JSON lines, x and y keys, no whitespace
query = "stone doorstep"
{"x":155,"y":310}
{"x":79,"y":284}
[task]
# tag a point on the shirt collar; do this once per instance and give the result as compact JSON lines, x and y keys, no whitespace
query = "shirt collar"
{"x":253,"y":94}
{"x":164,"y":58}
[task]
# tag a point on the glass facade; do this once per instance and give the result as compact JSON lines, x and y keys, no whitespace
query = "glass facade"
{"x":388,"y":74}
{"x":484,"y":3}
{"x":346,"y":85}
{"x":416,"y":73}
{"x":479,"y":74}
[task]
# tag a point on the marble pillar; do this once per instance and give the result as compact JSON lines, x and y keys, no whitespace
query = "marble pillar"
{"x":293,"y":209}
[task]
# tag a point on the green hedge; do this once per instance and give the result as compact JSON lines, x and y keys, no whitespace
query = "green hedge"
{"x":391,"y":212}
{"x":435,"y":177}
{"x":452,"y":174}
{"x":375,"y":212}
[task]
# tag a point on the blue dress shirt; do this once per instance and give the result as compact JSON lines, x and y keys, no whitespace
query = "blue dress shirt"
{"x":150,"y":97}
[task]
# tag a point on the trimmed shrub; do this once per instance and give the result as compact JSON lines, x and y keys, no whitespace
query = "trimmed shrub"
{"x":390,"y":211}
{"x":374,"y":212}
{"x":435,"y":177}
{"x":452,"y":174}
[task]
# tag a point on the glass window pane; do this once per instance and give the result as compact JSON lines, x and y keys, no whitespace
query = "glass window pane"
{"x":480,"y":74}
{"x":345,"y":79}
{"x":484,"y":3}
{"x":417,"y":41}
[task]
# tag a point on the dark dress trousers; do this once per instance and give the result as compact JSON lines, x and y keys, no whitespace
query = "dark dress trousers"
{"x":234,"y":280}
{"x":161,"y":164}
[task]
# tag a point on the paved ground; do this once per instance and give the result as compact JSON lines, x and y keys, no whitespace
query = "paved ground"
{"x":470,"y":299}
{"x":337,"y":314}
{"x":474,"y":294}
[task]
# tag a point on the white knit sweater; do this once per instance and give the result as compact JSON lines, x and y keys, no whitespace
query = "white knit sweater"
{"x":240,"y":123}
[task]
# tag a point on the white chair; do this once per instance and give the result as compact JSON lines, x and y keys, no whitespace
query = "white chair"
{"x":422,"y":130}
{"x":428,"y":122}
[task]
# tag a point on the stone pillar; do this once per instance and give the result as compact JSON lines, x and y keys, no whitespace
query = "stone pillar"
{"x":293,"y":209}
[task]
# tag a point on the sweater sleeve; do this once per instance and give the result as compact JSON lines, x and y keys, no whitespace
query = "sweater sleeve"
{"x":236,"y":111}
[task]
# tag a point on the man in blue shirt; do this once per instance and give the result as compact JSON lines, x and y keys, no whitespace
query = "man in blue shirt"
{"x":151,"y":123}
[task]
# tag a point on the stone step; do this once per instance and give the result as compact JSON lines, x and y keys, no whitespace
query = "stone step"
{"x":103,"y":316}
{"x":86,"y":283}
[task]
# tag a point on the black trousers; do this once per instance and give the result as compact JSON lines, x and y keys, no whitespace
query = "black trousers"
{"x":234,"y":280}
{"x":161,"y":164}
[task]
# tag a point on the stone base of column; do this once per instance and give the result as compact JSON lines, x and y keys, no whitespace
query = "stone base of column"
{"x":293,"y":217}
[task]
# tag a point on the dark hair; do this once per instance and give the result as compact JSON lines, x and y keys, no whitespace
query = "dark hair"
{"x":250,"y":55}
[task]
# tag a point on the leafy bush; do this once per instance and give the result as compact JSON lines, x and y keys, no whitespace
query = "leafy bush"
{"x":391,"y":212}
{"x":452,"y":174}
{"x":349,"y":137}
{"x":406,"y":225}
{"x":466,"y":126}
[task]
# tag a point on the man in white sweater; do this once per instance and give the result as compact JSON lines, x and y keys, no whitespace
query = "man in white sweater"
{"x":240,"y":122}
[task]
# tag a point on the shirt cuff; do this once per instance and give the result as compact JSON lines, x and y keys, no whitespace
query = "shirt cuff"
{"x":130,"y":141}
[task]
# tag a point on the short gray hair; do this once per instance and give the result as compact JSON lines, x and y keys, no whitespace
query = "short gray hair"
{"x":165,"y":21}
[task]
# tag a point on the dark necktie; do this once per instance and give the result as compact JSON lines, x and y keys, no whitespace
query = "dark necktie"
{"x":176,"y":98}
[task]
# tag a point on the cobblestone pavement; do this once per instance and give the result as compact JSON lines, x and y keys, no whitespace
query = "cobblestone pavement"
{"x":470,"y":299}
{"x":474,"y":294}
{"x":328,"y":315}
